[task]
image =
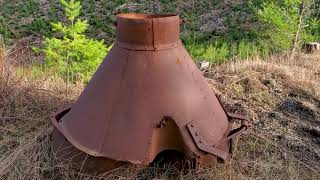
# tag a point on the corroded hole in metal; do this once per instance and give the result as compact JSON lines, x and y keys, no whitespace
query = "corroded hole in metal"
{"x":144,"y":16}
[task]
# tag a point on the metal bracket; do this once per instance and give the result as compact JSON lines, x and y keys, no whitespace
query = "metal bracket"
{"x":245,"y":124}
{"x":203,"y":145}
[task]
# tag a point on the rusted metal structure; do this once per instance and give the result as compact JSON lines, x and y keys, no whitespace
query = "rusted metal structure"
{"x":147,"y":96}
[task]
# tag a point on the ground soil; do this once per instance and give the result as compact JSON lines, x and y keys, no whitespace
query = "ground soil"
{"x":281,"y":96}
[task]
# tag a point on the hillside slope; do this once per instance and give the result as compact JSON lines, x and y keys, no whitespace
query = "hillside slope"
{"x":31,"y":19}
{"x":282,"y":98}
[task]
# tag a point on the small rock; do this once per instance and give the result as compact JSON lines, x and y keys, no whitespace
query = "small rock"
{"x":203,"y":65}
{"x":311,"y":47}
{"x":278,"y":90}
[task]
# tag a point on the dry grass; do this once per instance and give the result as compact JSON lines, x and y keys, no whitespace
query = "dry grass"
{"x":282,"y":98}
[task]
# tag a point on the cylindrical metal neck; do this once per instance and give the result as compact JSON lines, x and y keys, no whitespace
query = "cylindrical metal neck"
{"x":148,"y":32}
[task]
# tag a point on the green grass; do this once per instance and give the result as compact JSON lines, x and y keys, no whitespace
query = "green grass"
{"x":220,"y":50}
{"x":24,"y":18}
{"x":242,"y":38}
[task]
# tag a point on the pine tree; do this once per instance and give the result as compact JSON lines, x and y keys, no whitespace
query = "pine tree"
{"x":74,"y":56}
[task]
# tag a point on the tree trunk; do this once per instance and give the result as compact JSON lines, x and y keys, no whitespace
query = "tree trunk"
{"x":303,"y":8}
{"x":297,"y":35}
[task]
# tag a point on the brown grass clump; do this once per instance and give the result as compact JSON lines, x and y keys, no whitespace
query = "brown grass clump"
{"x":283,"y":99}
{"x":281,"y":96}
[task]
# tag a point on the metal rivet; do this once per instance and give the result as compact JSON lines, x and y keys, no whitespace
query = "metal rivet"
{"x":200,"y":141}
{"x":191,"y":125}
{"x":163,"y":123}
{"x":197,"y":134}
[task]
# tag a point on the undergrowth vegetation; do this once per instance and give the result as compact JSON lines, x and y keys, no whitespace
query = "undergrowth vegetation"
{"x":214,"y":31}
{"x":221,"y":51}
{"x":291,"y":23}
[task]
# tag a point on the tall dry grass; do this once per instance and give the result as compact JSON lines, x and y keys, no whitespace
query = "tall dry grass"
{"x":26,"y":103}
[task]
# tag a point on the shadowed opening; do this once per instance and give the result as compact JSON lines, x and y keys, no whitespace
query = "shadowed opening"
{"x":61,"y":114}
{"x":167,"y":148}
{"x":173,"y":158}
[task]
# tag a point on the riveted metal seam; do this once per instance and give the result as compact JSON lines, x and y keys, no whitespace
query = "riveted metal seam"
{"x":154,"y":40}
{"x":146,"y":48}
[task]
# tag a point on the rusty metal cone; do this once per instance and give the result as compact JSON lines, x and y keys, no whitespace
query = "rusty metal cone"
{"x":147,"y":96}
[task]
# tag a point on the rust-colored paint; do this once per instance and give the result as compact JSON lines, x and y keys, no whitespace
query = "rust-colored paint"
{"x":146,"y":97}
{"x":178,"y":61}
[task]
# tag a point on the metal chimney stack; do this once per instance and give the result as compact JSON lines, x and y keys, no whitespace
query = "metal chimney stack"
{"x":147,"y":97}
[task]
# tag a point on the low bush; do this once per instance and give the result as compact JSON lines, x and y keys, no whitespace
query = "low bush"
{"x":73,"y":56}
{"x":290,"y":23}
{"x":219,"y":51}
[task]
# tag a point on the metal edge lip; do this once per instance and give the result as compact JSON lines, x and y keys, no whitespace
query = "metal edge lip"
{"x":144,"y":16}
{"x":55,"y":121}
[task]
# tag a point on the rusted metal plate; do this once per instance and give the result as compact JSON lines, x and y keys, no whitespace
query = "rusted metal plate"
{"x":202,"y":143}
{"x":148,"y":75}
{"x":66,"y":152}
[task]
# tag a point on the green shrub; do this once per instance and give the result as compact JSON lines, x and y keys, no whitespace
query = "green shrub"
{"x":289,"y":23}
{"x":74,"y":56}
{"x":2,"y":49}
{"x":246,"y":50}
{"x":217,"y":52}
